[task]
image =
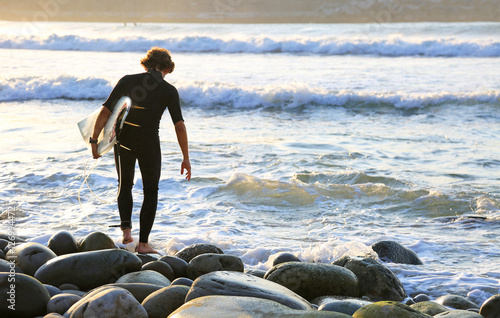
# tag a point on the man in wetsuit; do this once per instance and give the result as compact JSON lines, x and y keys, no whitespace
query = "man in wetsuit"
{"x":139,"y":140}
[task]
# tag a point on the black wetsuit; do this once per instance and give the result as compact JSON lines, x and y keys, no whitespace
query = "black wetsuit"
{"x":139,"y":141}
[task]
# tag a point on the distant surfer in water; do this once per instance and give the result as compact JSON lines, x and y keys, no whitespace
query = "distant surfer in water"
{"x":139,"y":140}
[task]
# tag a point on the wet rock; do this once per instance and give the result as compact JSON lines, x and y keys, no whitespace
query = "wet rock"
{"x":147,"y":258}
{"x":145,"y":277}
{"x":160,"y":267}
{"x":163,"y":302}
{"x":206,"y":263}
{"x":30,"y":256}
{"x":311,"y":280}
{"x":285,"y":257}
{"x":256,"y":272}
{"x":88,"y":270}
{"x":95,"y":241}
{"x":388,"y":309}
{"x":420,"y":298}
{"x":67,"y":286}
{"x":227,"y":306}
{"x":240,"y":284}
{"x":178,"y":265}
{"x":346,"y":306}
{"x":61,"y":303}
{"x":429,"y":307}
{"x":391,"y":251}
{"x":184,"y":281}
{"x":376,"y":281}
{"x":26,"y":296}
{"x":457,"y":302}
{"x":62,"y":243}
{"x":53,"y":315}
{"x":459,"y":314}
{"x":491,"y":307}
{"x":191,"y":251}
{"x":107,"y":302}
{"x":53,"y":290}
{"x":139,"y":290}
{"x":9,"y":266}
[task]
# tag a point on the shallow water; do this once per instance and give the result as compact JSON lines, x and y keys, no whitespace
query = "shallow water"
{"x":320,"y":154}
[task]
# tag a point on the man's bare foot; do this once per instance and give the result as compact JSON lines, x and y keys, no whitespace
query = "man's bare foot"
{"x":127,"y":236}
{"x":144,"y":248}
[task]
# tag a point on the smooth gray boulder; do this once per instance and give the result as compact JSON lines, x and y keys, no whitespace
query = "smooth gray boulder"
{"x":160,"y":267}
{"x":31,"y":256}
{"x":457,"y":302}
{"x":491,"y":307}
{"x":22,"y":296}
{"x":61,"y":303}
{"x":62,"y":243}
{"x":88,"y":270}
{"x":430,"y":308}
{"x":459,"y":314}
{"x":376,"y":281}
{"x":311,"y":280}
{"x":95,"y":241}
{"x":9,"y":266}
{"x":284,"y":257}
{"x":184,"y":281}
{"x":206,"y":263}
{"x":165,"y":301}
{"x":240,"y":284}
{"x":391,"y":251}
{"x":191,"y":251}
{"x":237,"y":306}
{"x":139,"y":290}
{"x":345,"y":306}
{"x":145,"y":277}
{"x":107,"y":302}
{"x":388,"y":309}
{"x":178,"y":265}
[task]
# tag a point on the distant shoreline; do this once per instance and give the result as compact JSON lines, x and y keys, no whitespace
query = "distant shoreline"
{"x":251,"y":11}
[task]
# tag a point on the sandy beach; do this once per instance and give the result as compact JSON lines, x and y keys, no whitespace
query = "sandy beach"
{"x":252,"y":11}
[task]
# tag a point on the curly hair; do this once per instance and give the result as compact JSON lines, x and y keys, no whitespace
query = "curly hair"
{"x":158,"y":58}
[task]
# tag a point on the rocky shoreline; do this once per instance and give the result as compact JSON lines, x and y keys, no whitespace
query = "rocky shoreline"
{"x":92,"y":277}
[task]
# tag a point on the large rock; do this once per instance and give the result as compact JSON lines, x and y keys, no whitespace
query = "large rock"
{"x":376,"y":281}
{"x":240,"y":284}
{"x":31,"y":256}
{"x":191,"y":251}
{"x":22,"y":296}
{"x":206,"y":263}
{"x":459,"y":314}
{"x":457,"y":302}
{"x":391,"y":251}
{"x":145,"y":277}
{"x":9,"y":266}
{"x":429,"y":307}
{"x":88,"y":270}
{"x":62,"y":243}
{"x":235,"y":306}
{"x":160,"y":267}
{"x":284,"y":257}
{"x":61,"y":303}
{"x":139,"y":290}
{"x":388,"y":309}
{"x":178,"y":265}
{"x":163,"y":302}
{"x":345,"y":306}
{"x":107,"y":302}
{"x":311,"y":280}
{"x":491,"y":307}
{"x":95,"y":241}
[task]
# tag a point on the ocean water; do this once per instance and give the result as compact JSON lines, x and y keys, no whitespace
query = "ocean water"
{"x":315,"y":139}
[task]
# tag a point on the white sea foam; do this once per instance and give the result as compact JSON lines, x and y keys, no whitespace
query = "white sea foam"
{"x":395,"y":46}
{"x":282,"y":96}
